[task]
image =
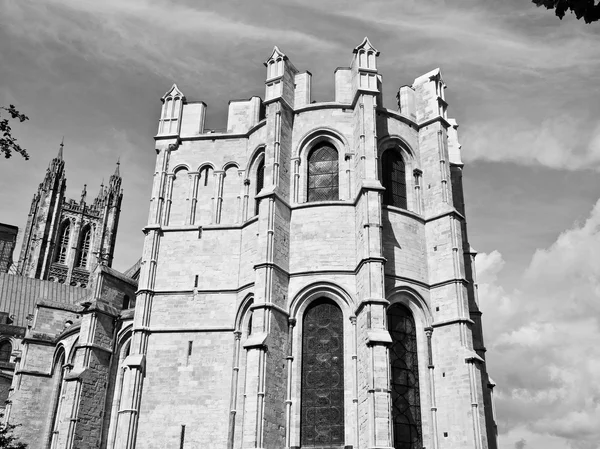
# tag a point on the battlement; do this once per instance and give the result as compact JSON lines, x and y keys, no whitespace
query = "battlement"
{"x":418,"y":102}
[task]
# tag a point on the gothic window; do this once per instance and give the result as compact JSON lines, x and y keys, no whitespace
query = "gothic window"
{"x":5,"y":351}
{"x":84,"y":247}
{"x":406,"y":405}
{"x":323,"y":174}
{"x":260,"y":182}
{"x":63,"y":243}
{"x":58,"y":399}
{"x":394,"y":179}
{"x":322,"y":394}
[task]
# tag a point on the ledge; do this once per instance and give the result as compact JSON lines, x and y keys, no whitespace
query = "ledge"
{"x":379,"y":337}
{"x":256,"y":341}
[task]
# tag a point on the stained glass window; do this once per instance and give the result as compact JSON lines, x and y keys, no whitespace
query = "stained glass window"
{"x":323,"y":174}
{"x":406,"y":404}
{"x":260,"y":182}
{"x":322,"y":398}
{"x":394,"y":179}
{"x":63,"y":244}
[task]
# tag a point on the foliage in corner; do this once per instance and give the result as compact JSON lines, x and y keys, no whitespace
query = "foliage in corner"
{"x":7,"y":439}
{"x":588,"y":10}
{"x":8,"y":143}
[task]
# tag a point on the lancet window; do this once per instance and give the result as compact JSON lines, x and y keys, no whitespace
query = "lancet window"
{"x":406,"y":405}
{"x":322,"y":388}
{"x":260,"y":182}
{"x":394,"y":179}
{"x":84,"y":247}
{"x":63,"y":243}
{"x":323,"y":174}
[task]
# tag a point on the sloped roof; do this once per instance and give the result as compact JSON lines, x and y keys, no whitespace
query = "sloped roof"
{"x":19,"y":295}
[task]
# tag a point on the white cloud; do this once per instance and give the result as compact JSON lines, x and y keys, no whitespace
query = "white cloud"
{"x":167,"y":38}
{"x":543,"y":339}
{"x":560,"y":142}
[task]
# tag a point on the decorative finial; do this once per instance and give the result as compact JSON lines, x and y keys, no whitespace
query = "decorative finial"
{"x":117,"y":171}
{"x":60,"y":149}
{"x":84,"y":193}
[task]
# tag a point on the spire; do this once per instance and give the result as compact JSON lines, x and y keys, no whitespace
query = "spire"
{"x":60,"y":149}
{"x":115,"y":179}
{"x":84,"y":193}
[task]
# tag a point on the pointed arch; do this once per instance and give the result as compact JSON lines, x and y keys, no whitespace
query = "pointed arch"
{"x":171,"y":112}
{"x":260,"y":183}
{"x":64,"y":235}
{"x":120,"y":375}
{"x":58,"y":388}
{"x":83,"y":248}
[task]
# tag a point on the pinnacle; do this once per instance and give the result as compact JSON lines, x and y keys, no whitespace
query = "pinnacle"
{"x":117,"y":170}
{"x":60,"y":149}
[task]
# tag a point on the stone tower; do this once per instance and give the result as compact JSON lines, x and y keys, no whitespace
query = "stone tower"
{"x":306,"y":278}
{"x":64,"y":239}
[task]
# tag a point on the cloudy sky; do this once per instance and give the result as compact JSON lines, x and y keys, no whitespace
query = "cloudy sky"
{"x":523,"y":85}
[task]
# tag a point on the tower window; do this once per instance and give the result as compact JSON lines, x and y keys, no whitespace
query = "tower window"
{"x":63,"y":244}
{"x":323,"y":174}
{"x":322,"y":397}
{"x":260,"y":182}
{"x":5,"y":351}
{"x":84,"y":247}
{"x":406,"y":404}
{"x":394,"y":179}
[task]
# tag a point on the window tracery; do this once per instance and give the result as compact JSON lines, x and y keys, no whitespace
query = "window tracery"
{"x":394,"y":179}
{"x":406,"y":404}
{"x":84,"y":248}
{"x":323,"y":174}
{"x":322,"y":387}
{"x":63,"y":244}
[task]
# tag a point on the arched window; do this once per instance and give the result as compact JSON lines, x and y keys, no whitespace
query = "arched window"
{"x":406,"y":404}
{"x":394,"y":179}
{"x":5,"y":351}
{"x":322,"y":396}
{"x":63,"y":243}
{"x":323,"y":174}
{"x":260,"y":182}
{"x":84,"y":247}
{"x":58,"y":397}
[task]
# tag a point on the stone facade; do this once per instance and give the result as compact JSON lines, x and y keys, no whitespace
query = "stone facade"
{"x":249,"y":234}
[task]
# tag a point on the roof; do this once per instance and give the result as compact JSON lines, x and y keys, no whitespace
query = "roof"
{"x":19,"y":295}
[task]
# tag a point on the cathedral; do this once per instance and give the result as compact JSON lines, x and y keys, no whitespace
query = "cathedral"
{"x":306,"y":281}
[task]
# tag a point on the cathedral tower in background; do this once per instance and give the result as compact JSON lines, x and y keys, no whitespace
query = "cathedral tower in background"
{"x":64,"y":238}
